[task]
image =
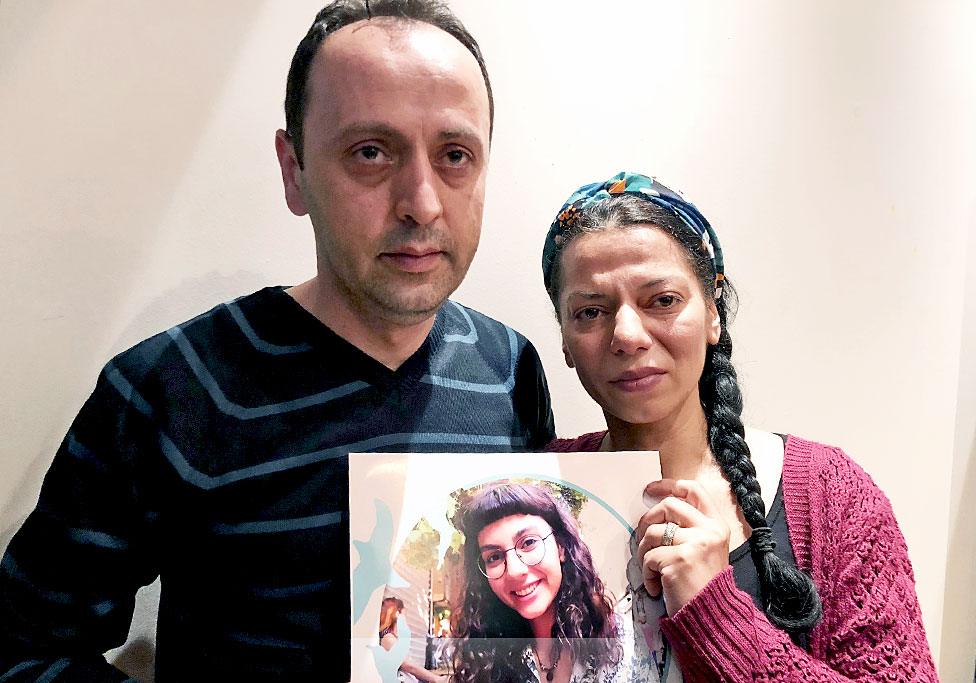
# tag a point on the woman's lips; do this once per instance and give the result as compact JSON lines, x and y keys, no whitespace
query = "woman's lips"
{"x":638,"y":380}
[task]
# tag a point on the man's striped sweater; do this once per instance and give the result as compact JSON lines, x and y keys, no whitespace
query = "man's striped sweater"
{"x":214,"y":455}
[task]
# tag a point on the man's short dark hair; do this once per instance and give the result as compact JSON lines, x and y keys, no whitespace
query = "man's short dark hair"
{"x":340,"y":13}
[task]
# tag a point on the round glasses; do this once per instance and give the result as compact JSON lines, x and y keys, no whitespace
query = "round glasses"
{"x":529,"y":549}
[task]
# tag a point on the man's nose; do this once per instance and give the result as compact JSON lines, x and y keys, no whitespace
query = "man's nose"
{"x":416,"y":187}
{"x":630,"y":333}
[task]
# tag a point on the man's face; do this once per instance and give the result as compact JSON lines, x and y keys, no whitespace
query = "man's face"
{"x":395,"y":158}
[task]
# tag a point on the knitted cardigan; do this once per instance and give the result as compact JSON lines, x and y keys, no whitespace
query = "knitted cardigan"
{"x":844,"y":535}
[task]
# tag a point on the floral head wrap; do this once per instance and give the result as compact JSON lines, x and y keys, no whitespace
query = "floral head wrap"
{"x":639,"y":186}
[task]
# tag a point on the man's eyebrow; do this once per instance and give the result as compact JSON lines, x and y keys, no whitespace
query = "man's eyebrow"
{"x":589,"y":296}
{"x":460,"y":133}
{"x":369,"y":129}
{"x":466,"y":136}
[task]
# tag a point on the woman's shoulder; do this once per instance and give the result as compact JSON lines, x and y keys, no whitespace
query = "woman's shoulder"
{"x":821,"y":460}
{"x":585,"y":442}
{"x":817,"y":475}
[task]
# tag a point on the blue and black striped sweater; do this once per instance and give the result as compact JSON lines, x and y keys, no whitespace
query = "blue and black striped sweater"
{"x":214,"y":455}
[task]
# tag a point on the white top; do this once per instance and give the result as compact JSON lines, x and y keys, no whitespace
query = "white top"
{"x":636,"y":665}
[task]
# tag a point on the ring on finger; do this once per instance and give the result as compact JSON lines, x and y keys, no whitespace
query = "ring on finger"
{"x":668,"y":537}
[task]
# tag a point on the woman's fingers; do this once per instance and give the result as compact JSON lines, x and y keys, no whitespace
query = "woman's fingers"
{"x":652,"y":581}
{"x":671,"y":509}
{"x":682,"y":542}
{"x":654,"y":536}
{"x":651,"y":572}
{"x":688,"y":490}
{"x":680,"y":572}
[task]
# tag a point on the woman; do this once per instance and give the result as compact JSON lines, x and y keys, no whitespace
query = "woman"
{"x":533,"y":607}
{"x":390,"y":612}
{"x":824,"y":592}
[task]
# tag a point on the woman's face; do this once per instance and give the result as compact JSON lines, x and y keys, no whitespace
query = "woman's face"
{"x":528,"y":589}
{"x":635,"y":323}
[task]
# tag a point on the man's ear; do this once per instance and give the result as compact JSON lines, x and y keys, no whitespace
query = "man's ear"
{"x":291,"y":173}
{"x":568,"y":357}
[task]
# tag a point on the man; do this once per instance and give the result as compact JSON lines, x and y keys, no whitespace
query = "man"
{"x":213,"y":455}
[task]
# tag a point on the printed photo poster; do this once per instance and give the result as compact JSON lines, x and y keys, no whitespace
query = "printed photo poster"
{"x":456,"y":557}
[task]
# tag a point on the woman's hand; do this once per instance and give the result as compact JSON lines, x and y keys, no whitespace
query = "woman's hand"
{"x":699,"y":548}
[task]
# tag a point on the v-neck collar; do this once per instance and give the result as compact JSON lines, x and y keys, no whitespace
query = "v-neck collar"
{"x":324,"y":339}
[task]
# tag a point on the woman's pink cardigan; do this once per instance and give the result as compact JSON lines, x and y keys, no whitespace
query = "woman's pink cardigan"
{"x":845,"y":536}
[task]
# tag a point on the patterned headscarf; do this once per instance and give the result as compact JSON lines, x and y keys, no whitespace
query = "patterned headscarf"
{"x":638,"y":186}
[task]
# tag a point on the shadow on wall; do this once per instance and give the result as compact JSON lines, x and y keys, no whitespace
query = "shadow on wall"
{"x":958,"y":656}
{"x":961,"y":571}
{"x":107,"y":112}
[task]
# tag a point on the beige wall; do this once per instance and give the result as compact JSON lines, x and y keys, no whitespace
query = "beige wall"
{"x":958,"y":625}
{"x":830,"y":143}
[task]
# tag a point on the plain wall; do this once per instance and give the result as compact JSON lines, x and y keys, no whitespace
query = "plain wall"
{"x":829,"y":143}
{"x":958,"y":623}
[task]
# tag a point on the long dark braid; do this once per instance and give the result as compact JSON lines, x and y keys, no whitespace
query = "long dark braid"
{"x":789,"y":596}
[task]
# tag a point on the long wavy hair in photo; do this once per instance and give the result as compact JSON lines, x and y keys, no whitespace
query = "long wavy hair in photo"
{"x":491,"y":638}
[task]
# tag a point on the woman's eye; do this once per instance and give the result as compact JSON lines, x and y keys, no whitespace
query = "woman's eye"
{"x":528,"y":543}
{"x":492,"y":559}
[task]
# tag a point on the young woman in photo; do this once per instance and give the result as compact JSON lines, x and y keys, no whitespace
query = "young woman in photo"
{"x":533,"y":607}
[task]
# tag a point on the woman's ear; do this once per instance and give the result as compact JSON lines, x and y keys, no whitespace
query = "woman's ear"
{"x":714,"y":330}
{"x":562,"y":553}
{"x":568,"y":357}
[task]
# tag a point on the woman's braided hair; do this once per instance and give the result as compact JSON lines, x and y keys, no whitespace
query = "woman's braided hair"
{"x":789,"y":597}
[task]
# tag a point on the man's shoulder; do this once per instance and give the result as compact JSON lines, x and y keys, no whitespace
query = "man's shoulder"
{"x":227,"y":323}
{"x":472,"y":351}
{"x":466,"y":322}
